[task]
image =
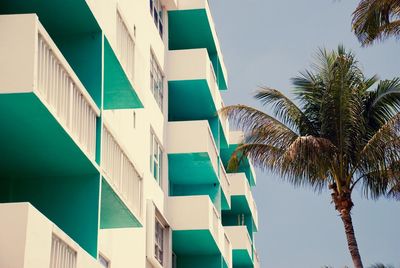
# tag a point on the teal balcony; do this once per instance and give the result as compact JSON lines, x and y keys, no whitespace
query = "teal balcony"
{"x":193,"y":92}
{"x":192,"y":154}
{"x":242,"y":246}
{"x":194,"y":164}
{"x":191,"y":26}
{"x":49,"y":136}
{"x":242,"y":203}
{"x":199,"y":237}
{"x":122,"y":186}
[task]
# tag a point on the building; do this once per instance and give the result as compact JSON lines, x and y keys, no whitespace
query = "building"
{"x":112,"y":153}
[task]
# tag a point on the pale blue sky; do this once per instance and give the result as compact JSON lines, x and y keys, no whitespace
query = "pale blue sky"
{"x":266,"y":43}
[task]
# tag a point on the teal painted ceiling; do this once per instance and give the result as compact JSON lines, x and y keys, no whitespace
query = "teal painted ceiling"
{"x":31,"y":138}
{"x":57,"y":16}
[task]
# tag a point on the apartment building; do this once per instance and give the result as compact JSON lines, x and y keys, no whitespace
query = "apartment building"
{"x":112,"y":153}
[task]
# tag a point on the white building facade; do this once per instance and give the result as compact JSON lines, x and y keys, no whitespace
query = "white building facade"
{"x":113,"y":153}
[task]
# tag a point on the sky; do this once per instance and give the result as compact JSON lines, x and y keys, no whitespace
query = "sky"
{"x":265,"y":43}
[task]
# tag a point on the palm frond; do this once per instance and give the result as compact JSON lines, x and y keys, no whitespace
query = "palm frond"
{"x":259,"y":126}
{"x":376,"y":20}
{"x":384,"y":102}
{"x":305,"y":162}
{"x":285,"y":109}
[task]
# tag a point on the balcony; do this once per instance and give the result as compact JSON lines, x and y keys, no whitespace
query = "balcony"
{"x":121,"y":191}
{"x":49,"y":127}
{"x":192,"y":89}
{"x":242,"y":246}
{"x":36,"y":241}
{"x":242,"y":197}
{"x":191,"y":26}
{"x":192,"y":154}
{"x":235,"y":138}
{"x":44,"y":108}
{"x":197,"y":229}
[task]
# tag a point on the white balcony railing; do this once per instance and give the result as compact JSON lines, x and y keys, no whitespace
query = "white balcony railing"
{"x":225,"y":182}
{"x":65,"y":94}
{"x":213,"y":149}
{"x":121,"y":173}
{"x":228,"y":250}
{"x":62,"y":255}
{"x":216,"y":221}
{"x":125,"y":46}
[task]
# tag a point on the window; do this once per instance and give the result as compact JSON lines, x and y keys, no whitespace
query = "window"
{"x":156,"y":81}
{"x":159,"y":242}
{"x":103,"y":261}
{"x":157,"y":13}
{"x":155,"y":158}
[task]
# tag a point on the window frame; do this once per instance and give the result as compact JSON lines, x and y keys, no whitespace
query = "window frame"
{"x":159,"y":153}
{"x":157,"y":13}
{"x":107,"y":260}
{"x":157,"y":81}
{"x":159,"y":240}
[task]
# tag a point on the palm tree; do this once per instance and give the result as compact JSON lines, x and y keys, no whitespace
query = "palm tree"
{"x":344,"y":132}
{"x":376,"y":20}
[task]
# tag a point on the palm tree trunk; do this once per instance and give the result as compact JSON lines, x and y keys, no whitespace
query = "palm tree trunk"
{"x":351,"y":238}
{"x":344,"y":204}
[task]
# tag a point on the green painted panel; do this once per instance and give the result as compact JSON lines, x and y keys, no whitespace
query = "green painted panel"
{"x":72,"y":203}
{"x":114,"y":213}
{"x":199,"y":261}
{"x":118,"y":90}
{"x":57,"y":16}
{"x":190,"y":100}
{"x":32,"y":138}
{"x":241,"y":258}
{"x":83,"y":53}
{"x":190,"y":29}
{"x":194,"y":242}
{"x":191,"y":168}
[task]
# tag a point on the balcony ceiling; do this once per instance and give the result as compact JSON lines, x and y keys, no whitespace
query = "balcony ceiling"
{"x":194,"y":242}
{"x":57,"y":16}
{"x":31,"y":138}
